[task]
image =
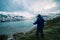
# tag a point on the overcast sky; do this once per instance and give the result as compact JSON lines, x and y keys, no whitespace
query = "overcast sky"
{"x":30,"y":6}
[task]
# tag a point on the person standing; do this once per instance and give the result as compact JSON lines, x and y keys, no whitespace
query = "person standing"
{"x":40,"y":25}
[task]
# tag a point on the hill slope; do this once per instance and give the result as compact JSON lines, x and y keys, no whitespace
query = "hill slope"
{"x":51,"y":31}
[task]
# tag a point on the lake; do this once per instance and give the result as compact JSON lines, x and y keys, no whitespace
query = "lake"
{"x":17,"y":26}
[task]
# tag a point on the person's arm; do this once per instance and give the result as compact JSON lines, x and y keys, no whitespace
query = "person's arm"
{"x":43,"y":20}
{"x":35,"y":22}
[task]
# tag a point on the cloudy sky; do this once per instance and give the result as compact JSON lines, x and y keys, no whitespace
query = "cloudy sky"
{"x":30,"y":6}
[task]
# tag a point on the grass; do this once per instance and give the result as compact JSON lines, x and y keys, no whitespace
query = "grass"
{"x":3,"y":37}
{"x":51,"y":32}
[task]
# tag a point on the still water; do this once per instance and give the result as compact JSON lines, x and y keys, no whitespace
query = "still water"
{"x":18,"y":26}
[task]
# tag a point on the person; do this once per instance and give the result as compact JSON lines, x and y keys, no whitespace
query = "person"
{"x":40,"y":25}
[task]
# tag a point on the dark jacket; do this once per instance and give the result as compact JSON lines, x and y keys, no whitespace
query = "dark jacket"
{"x":40,"y":22}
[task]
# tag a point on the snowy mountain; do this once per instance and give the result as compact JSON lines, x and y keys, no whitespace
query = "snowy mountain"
{"x":10,"y":17}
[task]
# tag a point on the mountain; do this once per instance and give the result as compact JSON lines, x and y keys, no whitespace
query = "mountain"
{"x":50,"y":16}
{"x":9,"y":17}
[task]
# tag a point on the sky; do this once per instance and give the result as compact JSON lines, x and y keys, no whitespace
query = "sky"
{"x":27,"y":7}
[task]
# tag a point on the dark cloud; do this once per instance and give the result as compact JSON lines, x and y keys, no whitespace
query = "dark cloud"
{"x":57,"y":4}
{"x":8,"y":5}
{"x":57,"y":8}
{"x":3,"y":5}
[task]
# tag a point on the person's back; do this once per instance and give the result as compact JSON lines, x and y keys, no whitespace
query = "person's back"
{"x":40,"y":25}
{"x":40,"y":21}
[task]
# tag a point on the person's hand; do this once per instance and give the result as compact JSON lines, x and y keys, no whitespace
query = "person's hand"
{"x":34,"y":23}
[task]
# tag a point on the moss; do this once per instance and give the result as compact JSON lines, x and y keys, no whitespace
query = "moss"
{"x":3,"y":37}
